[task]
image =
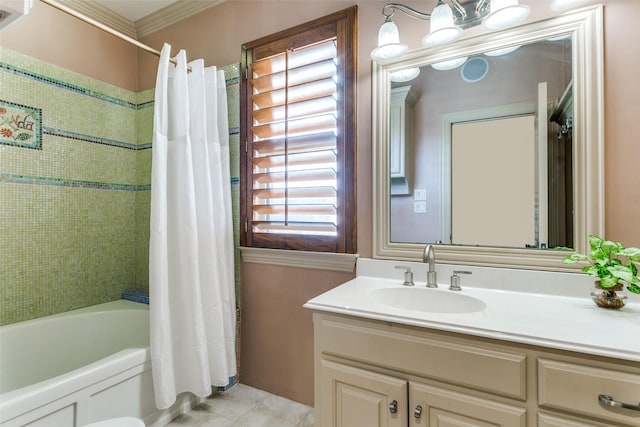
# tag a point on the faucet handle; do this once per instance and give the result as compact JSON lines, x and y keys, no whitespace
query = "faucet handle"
{"x":455,"y":280}
{"x":408,"y":274}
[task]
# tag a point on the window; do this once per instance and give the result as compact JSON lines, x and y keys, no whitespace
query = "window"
{"x":297,"y":185}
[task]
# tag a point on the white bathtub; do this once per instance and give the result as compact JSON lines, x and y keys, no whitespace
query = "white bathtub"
{"x":78,"y":367}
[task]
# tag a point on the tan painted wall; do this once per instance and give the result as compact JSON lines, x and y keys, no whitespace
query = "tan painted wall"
{"x":59,"y":39}
{"x":276,"y":331}
{"x":282,"y":365}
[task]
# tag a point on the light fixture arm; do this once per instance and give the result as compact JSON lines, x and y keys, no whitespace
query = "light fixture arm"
{"x":479,"y":6}
{"x":390,"y":8}
{"x":448,"y":19}
{"x":460,"y":9}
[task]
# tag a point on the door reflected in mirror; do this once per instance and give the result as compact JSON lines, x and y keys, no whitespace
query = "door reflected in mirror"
{"x":487,"y":145}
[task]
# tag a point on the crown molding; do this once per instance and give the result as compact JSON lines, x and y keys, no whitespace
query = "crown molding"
{"x":164,"y":17}
{"x":102,"y":14}
{"x":171,"y":14}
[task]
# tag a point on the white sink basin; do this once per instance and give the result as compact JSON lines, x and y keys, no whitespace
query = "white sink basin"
{"x":429,"y":300}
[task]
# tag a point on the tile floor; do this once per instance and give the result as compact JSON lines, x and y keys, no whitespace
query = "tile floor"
{"x":244,"y":406}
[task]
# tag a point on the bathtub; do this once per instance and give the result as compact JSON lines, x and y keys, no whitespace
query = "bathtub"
{"x":81,"y":366}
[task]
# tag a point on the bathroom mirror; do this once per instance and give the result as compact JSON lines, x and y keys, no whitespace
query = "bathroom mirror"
{"x":492,"y":201}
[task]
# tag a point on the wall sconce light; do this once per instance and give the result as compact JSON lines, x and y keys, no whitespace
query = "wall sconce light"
{"x":502,"y":51}
{"x":449,"y":64}
{"x":404,"y":75}
{"x":442,"y":29}
{"x":447,"y":22}
{"x":504,"y":14}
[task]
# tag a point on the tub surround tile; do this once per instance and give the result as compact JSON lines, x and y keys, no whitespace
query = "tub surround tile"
{"x":75,"y":212}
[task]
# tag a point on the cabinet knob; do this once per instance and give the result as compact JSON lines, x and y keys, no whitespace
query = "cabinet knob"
{"x":417,"y":413}
{"x":609,"y":401}
{"x":393,"y":407}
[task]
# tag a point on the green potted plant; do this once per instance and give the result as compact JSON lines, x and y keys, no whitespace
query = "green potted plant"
{"x":614,"y":266}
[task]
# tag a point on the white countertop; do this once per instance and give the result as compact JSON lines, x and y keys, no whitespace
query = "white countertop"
{"x":561,"y":320}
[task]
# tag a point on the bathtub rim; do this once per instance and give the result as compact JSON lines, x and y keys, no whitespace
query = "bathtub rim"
{"x":115,"y":305}
{"x":31,"y":397}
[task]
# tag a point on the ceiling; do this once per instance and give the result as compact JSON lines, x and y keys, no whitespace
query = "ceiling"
{"x":134,"y":10}
{"x":138,"y":18}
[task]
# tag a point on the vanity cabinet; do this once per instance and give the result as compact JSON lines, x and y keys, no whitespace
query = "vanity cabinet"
{"x":359,"y":397}
{"x":356,"y":396}
{"x":375,"y":373}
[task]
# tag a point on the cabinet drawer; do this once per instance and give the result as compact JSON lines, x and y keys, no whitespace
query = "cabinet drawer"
{"x":554,"y":420}
{"x":576,"y":388}
{"x":455,"y":361}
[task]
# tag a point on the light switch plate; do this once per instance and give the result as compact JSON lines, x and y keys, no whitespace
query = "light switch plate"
{"x":419,"y":194}
{"x":419,"y":207}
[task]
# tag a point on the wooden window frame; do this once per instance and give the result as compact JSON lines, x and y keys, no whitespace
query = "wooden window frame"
{"x":344,"y":26}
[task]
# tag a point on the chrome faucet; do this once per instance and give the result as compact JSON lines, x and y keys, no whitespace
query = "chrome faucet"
{"x":429,"y":256}
{"x":408,"y":275}
{"x":455,"y":280}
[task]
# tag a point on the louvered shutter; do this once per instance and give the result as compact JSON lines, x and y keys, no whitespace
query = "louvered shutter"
{"x":297,"y":169}
{"x":294,"y":141}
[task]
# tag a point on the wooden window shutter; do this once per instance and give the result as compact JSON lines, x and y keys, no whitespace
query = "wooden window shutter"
{"x":298,"y":169}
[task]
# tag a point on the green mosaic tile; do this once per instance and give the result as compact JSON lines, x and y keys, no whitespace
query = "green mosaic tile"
{"x":60,"y":74}
{"x":143,"y":211}
{"x":75,"y":214}
{"x":144,"y":117}
{"x":63,"y":248}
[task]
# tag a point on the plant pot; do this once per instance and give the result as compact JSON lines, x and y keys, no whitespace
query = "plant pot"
{"x":608,"y":297}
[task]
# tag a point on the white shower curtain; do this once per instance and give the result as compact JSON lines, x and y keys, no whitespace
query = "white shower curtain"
{"x":191,"y":277}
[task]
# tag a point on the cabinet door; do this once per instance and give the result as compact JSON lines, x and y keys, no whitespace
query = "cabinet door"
{"x":437,"y":407}
{"x":353,"y":397}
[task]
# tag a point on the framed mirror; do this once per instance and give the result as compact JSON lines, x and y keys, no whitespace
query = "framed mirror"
{"x":492,"y":149}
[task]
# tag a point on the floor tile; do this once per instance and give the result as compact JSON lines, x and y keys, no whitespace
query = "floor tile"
{"x":244,"y":406}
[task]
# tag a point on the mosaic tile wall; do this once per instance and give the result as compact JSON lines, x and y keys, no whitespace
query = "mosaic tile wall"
{"x":74,"y":187}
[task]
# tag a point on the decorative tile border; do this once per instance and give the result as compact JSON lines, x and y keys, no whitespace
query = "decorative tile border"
{"x":90,"y":138}
{"x":144,"y":105}
{"x":69,"y":86}
{"x":61,"y":182}
{"x":20,"y":125}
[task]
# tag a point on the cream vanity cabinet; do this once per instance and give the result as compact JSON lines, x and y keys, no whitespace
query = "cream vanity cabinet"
{"x":372,"y":373}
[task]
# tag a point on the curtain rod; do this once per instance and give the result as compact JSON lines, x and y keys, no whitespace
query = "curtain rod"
{"x":103,"y":27}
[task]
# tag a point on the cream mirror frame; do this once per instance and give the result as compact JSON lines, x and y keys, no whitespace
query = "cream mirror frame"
{"x":586,"y":28}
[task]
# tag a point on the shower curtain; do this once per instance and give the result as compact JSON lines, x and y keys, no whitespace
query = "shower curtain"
{"x":191,"y":277}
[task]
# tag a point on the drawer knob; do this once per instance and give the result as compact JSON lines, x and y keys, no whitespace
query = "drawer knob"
{"x":393,"y":407}
{"x":609,"y":401}
{"x":417,"y":413}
